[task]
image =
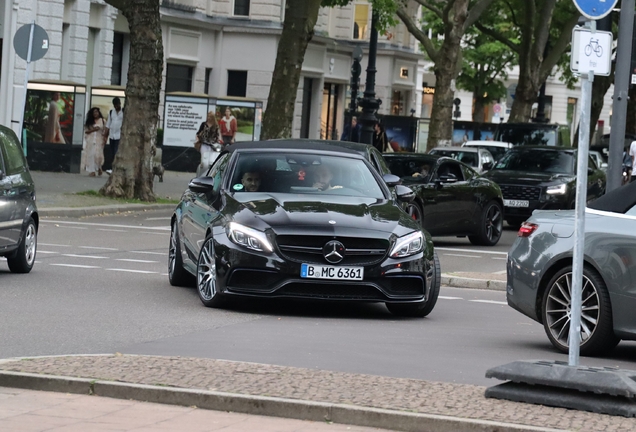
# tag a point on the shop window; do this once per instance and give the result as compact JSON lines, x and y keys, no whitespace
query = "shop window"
{"x":242,"y":7}
{"x":237,"y":83}
{"x":178,"y":78}
{"x":360,"y":21}
{"x":208,"y":72}
{"x":118,"y":59}
{"x":397,"y":103}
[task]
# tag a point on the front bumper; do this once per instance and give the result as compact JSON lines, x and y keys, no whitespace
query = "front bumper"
{"x":241,"y":272}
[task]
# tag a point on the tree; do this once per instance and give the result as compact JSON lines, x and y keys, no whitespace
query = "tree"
{"x":132,"y":168}
{"x":539,"y":22}
{"x":456,"y":16}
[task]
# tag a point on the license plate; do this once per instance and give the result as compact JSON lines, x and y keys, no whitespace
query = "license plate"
{"x":516,"y":203}
{"x":311,"y":271}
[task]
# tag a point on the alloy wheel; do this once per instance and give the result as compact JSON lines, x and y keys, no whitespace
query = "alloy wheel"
{"x":30,"y":244}
{"x":206,"y":272}
{"x":415,"y":213}
{"x":559,"y":305}
{"x":494,"y":223}
{"x":172,"y":251}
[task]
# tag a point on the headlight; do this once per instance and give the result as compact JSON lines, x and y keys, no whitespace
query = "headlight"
{"x":248,"y":237}
{"x":408,"y":245}
{"x":557,"y":190}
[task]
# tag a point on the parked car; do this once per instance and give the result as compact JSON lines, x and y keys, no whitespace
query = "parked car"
{"x":541,"y":178}
{"x":450,"y":197}
{"x":478,"y":159}
{"x":540,"y":272}
{"x":496,"y":148}
{"x":534,"y":134}
{"x":266,"y":221}
{"x":18,"y":211}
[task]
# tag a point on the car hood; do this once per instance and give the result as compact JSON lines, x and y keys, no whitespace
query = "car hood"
{"x":329,"y":215}
{"x":527,"y":178}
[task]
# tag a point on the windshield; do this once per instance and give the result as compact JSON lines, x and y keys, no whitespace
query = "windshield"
{"x":411,"y":168}
{"x":469,"y":158}
{"x":286,"y":172}
{"x":556,"y":162}
{"x":527,"y":136}
{"x":496,"y":152}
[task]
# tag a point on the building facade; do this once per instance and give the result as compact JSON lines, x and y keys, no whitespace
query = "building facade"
{"x":227,"y":48}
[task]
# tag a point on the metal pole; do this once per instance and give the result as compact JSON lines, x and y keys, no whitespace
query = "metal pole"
{"x":621,"y":89}
{"x":579,"y":220}
{"x":26,"y":83}
{"x":369,"y":103}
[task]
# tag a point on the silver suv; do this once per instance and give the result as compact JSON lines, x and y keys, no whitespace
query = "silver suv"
{"x":18,"y":212}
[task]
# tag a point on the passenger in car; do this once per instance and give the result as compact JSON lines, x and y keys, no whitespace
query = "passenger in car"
{"x":323,"y":176}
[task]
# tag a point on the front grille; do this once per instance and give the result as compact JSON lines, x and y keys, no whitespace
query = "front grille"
{"x":344,"y":291}
{"x":308,"y":249}
{"x":514,"y":192}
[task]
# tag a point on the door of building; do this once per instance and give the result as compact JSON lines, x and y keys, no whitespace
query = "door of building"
{"x":329,"y":118}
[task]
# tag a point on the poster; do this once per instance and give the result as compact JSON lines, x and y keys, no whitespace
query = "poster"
{"x":182,"y":119}
{"x":48,"y":116}
{"x":236,"y":120}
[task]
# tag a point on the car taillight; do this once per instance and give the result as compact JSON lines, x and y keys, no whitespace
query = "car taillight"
{"x":527,"y":229}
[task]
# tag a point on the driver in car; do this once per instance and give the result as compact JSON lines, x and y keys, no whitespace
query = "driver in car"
{"x":251,"y":180}
{"x":423,"y":172}
{"x":323,"y":178}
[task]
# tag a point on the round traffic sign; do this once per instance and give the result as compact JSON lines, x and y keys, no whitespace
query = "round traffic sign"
{"x":595,"y":9}
{"x":496,"y":108}
{"x":40,"y":42}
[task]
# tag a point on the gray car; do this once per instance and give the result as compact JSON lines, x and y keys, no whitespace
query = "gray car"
{"x":18,"y":212}
{"x":540,"y":272}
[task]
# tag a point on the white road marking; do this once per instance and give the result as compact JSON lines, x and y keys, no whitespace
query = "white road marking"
{"x":110,"y":230}
{"x":51,"y":244}
{"x":470,"y":251}
{"x":131,"y":271}
{"x":157,"y":233}
{"x":149,"y":252}
{"x":98,"y":248}
{"x":462,"y":255}
{"x":491,"y":302}
{"x":450,"y":298}
{"x":85,"y":256}
{"x":165,"y":274}
{"x":135,"y":227}
{"x":137,"y":261}
{"x":72,"y":227}
{"x":46,"y":252}
{"x":500,"y":272}
{"x":76,"y":266}
{"x":159,"y":218}
{"x":499,"y":258}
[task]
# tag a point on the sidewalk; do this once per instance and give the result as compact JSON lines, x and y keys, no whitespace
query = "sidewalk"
{"x":355,"y":399}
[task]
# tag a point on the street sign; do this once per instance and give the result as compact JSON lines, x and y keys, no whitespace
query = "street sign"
{"x":595,"y":9}
{"x":40,"y":43}
{"x":496,"y":109}
{"x":591,"y":51}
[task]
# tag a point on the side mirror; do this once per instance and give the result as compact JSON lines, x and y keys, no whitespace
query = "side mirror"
{"x":391,"y":180}
{"x":201,"y":185}
{"x":448,"y":178}
{"x":404,"y":194}
{"x":487,"y":166}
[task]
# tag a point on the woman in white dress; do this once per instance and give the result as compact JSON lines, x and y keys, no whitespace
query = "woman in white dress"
{"x":94,"y":140}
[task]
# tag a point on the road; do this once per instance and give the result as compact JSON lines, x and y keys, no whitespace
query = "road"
{"x":100,"y":286}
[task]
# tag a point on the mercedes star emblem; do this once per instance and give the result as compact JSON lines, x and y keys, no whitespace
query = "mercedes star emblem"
{"x":333,"y":251}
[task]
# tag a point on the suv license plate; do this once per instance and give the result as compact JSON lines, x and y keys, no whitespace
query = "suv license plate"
{"x":311,"y":271}
{"x":516,"y":203}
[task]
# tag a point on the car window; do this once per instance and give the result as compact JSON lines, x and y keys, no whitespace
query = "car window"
{"x":529,"y":135}
{"x":538,"y":160}
{"x":447,"y":168}
{"x":381,"y":163}
{"x":592,"y":163}
{"x":631,"y":211}
{"x":469,"y":158}
{"x":411,"y":168}
{"x":12,"y":154}
{"x":217,"y":169}
{"x":285,"y":172}
{"x":469,"y":173}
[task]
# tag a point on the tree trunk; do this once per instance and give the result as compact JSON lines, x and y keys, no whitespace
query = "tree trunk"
{"x":441,"y":127}
{"x":132,"y":167}
{"x":479,"y":108}
{"x":298,"y":29}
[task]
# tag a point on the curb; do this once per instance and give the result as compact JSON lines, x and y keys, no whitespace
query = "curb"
{"x":261,"y":405}
{"x":463,"y":282}
{"x":76,"y":212}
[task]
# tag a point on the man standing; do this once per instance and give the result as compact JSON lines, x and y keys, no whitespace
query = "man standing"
{"x":113,"y":127}
{"x":352,"y":131}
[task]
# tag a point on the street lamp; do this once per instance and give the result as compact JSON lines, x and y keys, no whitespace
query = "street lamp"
{"x":369,"y":103}
{"x":356,"y":71}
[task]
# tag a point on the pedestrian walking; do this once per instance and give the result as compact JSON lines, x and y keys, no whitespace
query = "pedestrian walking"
{"x":207,"y":137}
{"x":228,"y":126}
{"x":380,"y":140}
{"x":94,"y":141}
{"x":113,"y":127}
{"x":352,"y":131}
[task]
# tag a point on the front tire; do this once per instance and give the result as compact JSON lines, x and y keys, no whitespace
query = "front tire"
{"x":177,"y":275}
{"x":22,"y":260}
{"x":206,"y":276}
{"x":424,"y":308}
{"x":597,"y":333}
{"x":490,"y":226}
